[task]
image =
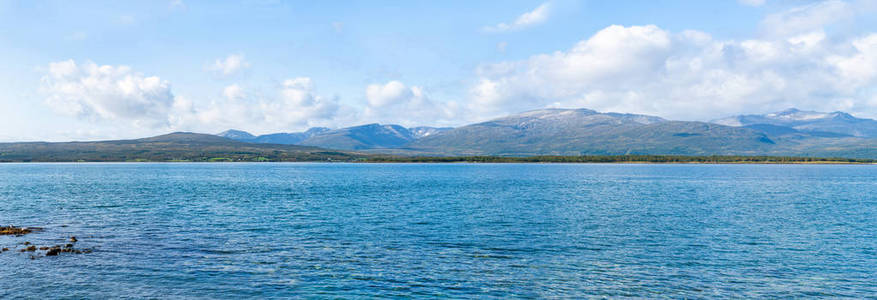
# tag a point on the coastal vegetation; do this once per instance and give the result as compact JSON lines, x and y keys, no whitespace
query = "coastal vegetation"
{"x":723,"y":159}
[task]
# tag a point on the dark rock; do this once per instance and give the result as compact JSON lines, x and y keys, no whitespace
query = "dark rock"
{"x":12,"y":230}
{"x":73,"y":239}
{"x":44,"y":248}
{"x":53,"y":252}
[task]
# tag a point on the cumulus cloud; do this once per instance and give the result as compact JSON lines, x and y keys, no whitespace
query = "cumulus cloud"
{"x":614,"y":56}
{"x":107,"y":92}
{"x":391,"y":93}
{"x":536,"y":16}
{"x":132,"y":101}
{"x":686,"y":75}
{"x":299,"y":104}
{"x":233,"y":92}
{"x":394,"y":102}
{"x":230,"y":65}
{"x":860,"y":66}
{"x":294,"y":105}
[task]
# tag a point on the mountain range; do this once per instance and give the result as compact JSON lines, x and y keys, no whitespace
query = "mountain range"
{"x":834,"y":124}
{"x":584,"y":131}
{"x":540,"y":132}
{"x":369,"y":136}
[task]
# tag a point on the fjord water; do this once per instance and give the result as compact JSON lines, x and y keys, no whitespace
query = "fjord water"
{"x":441,"y":230}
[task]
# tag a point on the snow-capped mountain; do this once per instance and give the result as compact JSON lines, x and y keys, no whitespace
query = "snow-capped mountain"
{"x":808,"y":121}
{"x":424,"y":131}
{"x":369,"y":136}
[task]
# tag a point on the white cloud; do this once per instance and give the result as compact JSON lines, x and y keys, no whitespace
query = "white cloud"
{"x":107,"y":92}
{"x":615,"y":55}
{"x":752,"y":2}
{"x":230,"y":65}
{"x":687,"y":75}
{"x":807,"y":18}
{"x":394,"y":102}
{"x":860,"y":67}
{"x":299,"y":104}
{"x":233,"y":92}
{"x":294,"y":105}
{"x":128,"y":102}
{"x":534,"y":17}
{"x":391,"y":93}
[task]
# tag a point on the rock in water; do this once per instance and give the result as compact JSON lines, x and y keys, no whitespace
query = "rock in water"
{"x":12,"y":230}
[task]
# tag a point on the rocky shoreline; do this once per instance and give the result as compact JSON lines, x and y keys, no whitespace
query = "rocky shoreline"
{"x":16,"y":231}
{"x":26,"y":246}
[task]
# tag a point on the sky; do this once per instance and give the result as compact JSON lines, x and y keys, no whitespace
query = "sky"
{"x":95,"y":70}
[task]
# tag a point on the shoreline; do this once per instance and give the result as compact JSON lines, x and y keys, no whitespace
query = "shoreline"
{"x":820,"y":162}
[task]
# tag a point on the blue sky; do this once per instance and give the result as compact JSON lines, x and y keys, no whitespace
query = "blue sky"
{"x":123,"y":69}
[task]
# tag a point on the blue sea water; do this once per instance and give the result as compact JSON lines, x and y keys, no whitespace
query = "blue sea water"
{"x":307,"y":230}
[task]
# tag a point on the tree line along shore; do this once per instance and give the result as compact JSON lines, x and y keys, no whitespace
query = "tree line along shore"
{"x":723,"y":159}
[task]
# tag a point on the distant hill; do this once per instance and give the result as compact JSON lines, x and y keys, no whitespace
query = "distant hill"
{"x":822,"y":124}
{"x":369,"y":136}
{"x":423,"y":131}
{"x":237,"y":135}
{"x":583,"y":131}
{"x":291,"y":138}
{"x":179,"y":146}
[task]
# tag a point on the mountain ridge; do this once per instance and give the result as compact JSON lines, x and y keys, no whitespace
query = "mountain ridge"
{"x":585,"y":131}
{"x":565,"y":132}
{"x":366,"y":136}
{"x":558,"y":131}
{"x":808,"y":121}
